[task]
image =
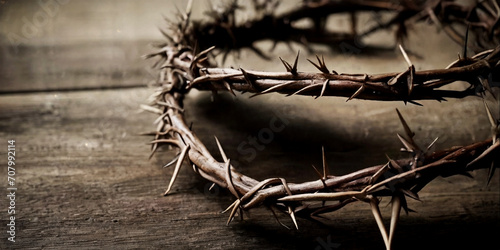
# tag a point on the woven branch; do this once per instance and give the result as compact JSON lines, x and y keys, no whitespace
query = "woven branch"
{"x":224,"y":32}
{"x":182,"y":70}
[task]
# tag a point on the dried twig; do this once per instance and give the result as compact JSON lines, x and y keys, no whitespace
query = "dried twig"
{"x":183,"y":69}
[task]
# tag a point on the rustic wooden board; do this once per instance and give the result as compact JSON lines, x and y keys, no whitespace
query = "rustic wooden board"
{"x":84,"y":179}
{"x":83,"y":175}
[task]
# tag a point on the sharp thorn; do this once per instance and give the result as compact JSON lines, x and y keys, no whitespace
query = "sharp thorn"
{"x":491,"y":172}
{"x":325,"y":165}
{"x":288,"y":67}
{"x":172,"y":161}
{"x":466,"y":41}
{"x":295,"y":64}
{"x":323,"y":88}
{"x":359,"y":91}
{"x":222,"y":153}
{"x":432,"y":143}
{"x":177,"y":168}
{"x":396,"y":209}
{"x":233,"y":212}
{"x":378,"y":218}
{"x":407,"y":59}
{"x":407,"y":129}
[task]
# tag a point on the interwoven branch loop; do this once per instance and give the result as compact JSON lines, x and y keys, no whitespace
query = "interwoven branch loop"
{"x":182,"y":69}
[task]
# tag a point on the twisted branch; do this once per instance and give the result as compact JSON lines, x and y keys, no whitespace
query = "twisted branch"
{"x":182,"y":69}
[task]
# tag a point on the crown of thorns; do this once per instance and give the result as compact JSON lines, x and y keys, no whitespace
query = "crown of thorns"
{"x":184,"y":63}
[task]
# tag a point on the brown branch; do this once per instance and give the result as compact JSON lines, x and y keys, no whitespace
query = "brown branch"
{"x":181,"y":70}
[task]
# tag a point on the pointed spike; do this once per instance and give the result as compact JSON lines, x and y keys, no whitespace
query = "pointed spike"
{"x":490,"y":115}
{"x":292,"y":215}
{"x":177,"y":168}
{"x":317,"y":172}
{"x":221,"y":150}
{"x":211,"y":187}
{"x":276,"y":217}
{"x":230,"y":207}
{"x":288,"y":67}
{"x":325,"y":165}
{"x":379,"y":173}
{"x":410,"y":78}
{"x":359,"y":91}
{"x":408,"y":146}
{"x":233,"y":212}
{"x":392,"y":163}
{"x":229,"y":180}
{"x":172,"y":161}
{"x":491,"y":172}
{"x":396,"y":210}
{"x":323,"y":65}
{"x":277,"y":87}
{"x":228,"y":87}
{"x":466,"y":41}
{"x":248,"y":80}
{"x":432,"y":143}
{"x":295,"y":64}
{"x":407,"y":59}
{"x":410,"y":194}
{"x":408,"y":131}
{"x":304,"y":89}
{"x":378,"y":218}
{"x":323,"y":88}
{"x":485,"y":153}
{"x":315,"y":65}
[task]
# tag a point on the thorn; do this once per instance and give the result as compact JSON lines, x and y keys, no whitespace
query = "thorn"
{"x":408,"y":146}
{"x":493,"y":123}
{"x":378,"y":218}
{"x":407,"y":59}
{"x":485,"y":153}
{"x":295,"y":64}
{"x":288,"y":67}
{"x":410,"y":78}
{"x":323,"y":88}
{"x":325,"y":166}
{"x":228,"y":87}
{"x":222,"y":153}
{"x":392,"y":163}
{"x":396,"y":209}
{"x":321,"y":66}
{"x":379,"y":173}
{"x":432,"y":144}
{"x":408,"y":131}
{"x":177,"y":168}
{"x":248,"y":80}
{"x":172,"y":161}
{"x":410,"y":194}
{"x":356,"y":93}
{"x":235,"y":205}
{"x":292,"y":215}
{"x":465,"y":41}
{"x":211,"y":187}
{"x":276,"y":87}
{"x":491,"y":172}
{"x":229,"y":180}
{"x":276,"y":217}
{"x":304,"y":89}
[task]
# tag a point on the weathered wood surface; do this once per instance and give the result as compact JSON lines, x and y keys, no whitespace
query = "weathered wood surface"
{"x":84,"y":179}
{"x":83,"y":175}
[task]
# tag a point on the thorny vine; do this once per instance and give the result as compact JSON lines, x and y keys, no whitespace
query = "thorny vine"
{"x":183,"y":68}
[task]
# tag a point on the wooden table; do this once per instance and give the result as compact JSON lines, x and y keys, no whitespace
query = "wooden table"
{"x":84,"y":180}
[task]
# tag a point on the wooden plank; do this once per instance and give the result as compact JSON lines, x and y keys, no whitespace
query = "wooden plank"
{"x":84,"y":180}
